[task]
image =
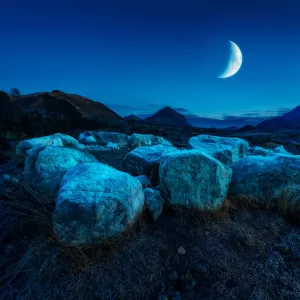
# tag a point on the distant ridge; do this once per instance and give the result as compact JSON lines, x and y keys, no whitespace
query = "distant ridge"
{"x":132,"y":118}
{"x":168,"y":116}
{"x":290,"y":120}
{"x":58,"y":102}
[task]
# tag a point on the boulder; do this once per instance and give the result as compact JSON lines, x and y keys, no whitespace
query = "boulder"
{"x":253,"y":151}
{"x":96,"y":203}
{"x":154,"y":202}
{"x":144,"y":180}
{"x":145,"y":161}
{"x":194,"y":179}
{"x":90,"y":140}
{"x":45,"y":166}
{"x":261,"y":179}
{"x":227,"y":150}
{"x":112,"y":146}
{"x":57,"y":140}
{"x":84,"y":135}
{"x":136,"y":140}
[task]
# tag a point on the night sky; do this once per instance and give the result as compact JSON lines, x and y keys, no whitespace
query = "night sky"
{"x":138,"y":56}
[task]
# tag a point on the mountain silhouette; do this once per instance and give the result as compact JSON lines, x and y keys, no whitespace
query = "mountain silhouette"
{"x":168,"y":116}
{"x":290,"y":120}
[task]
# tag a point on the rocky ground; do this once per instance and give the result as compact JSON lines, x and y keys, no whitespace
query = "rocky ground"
{"x":242,"y":252}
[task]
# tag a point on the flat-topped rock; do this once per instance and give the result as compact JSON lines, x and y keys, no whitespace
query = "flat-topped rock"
{"x":55,"y":140}
{"x":45,"y":166}
{"x":194,"y":179}
{"x":262,"y":179}
{"x":227,"y":150}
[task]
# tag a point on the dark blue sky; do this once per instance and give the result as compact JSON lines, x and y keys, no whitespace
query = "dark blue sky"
{"x":139,"y":55}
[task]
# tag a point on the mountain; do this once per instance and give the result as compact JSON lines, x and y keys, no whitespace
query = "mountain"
{"x":168,"y":116}
{"x":196,"y":121}
{"x":132,"y":118}
{"x":60,"y":103}
{"x":290,"y":120}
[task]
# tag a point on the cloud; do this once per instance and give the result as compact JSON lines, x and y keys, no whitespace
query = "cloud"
{"x":257,"y":114}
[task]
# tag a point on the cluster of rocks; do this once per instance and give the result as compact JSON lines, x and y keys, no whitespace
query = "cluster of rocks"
{"x":119,"y":140}
{"x":96,"y":202}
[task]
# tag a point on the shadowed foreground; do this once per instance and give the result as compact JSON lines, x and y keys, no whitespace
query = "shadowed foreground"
{"x":239,"y":253}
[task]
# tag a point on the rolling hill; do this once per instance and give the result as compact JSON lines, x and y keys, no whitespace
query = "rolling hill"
{"x":60,"y":103}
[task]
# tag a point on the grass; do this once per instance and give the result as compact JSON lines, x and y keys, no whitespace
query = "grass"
{"x":239,"y":252}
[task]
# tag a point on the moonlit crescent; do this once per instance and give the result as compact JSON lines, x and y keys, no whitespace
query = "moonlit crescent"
{"x":234,"y":62}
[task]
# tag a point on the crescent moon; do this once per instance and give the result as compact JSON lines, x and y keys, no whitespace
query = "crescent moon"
{"x":234,"y":62}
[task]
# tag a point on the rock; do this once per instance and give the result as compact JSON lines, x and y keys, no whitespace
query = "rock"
{"x":263,"y":179}
{"x":194,"y":179}
{"x":145,"y":161}
{"x":90,"y":140}
{"x":227,"y":150}
{"x":136,"y":140}
{"x":112,"y":146}
{"x":154,"y":202}
{"x":79,"y":147}
{"x":84,"y":135}
{"x":280,"y":149}
{"x":144,"y":180}
{"x":253,"y":151}
{"x":57,"y":140}
{"x":96,"y":203}
{"x":103,"y":138}
{"x":45,"y":166}
{"x":181,"y":251}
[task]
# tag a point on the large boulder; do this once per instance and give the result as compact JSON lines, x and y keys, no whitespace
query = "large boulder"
{"x":145,"y":161}
{"x":57,"y":140}
{"x":227,"y":150}
{"x":96,"y":203}
{"x":262,"y":179}
{"x":45,"y":166}
{"x":194,"y":179}
{"x":136,"y":140}
{"x":154,"y":202}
